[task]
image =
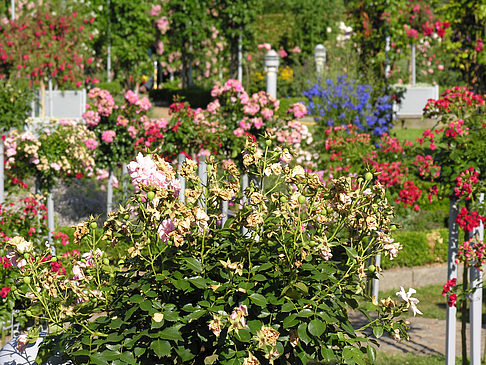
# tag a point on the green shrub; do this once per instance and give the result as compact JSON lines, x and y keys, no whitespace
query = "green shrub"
{"x":197,"y":97}
{"x":114,"y":87}
{"x":419,"y":248}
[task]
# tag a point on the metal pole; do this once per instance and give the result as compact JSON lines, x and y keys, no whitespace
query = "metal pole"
{"x":50,"y":219}
{"x":476,"y":299}
{"x":224,"y":212}
{"x":320,"y":58}
{"x":203,"y":176}
{"x":240,"y":58}
{"x":180,"y":159}
{"x":413,"y":64}
{"x":12,"y":5}
{"x":2,"y":187}
{"x":376,"y":282}
{"x":108,"y":56}
{"x":387,"y":57}
{"x":124,"y":180}
{"x":271,"y":68}
{"x":51,"y":111}
{"x":451,"y":274}
{"x":244,"y":186}
{"x":109,"y":193}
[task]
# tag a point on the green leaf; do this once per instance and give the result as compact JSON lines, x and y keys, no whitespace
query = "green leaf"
{"x":287,"y":307}
{"x":193,"y":264}
{"x":347,"y":353}
{"x":198,"y":282}
{"x":161,"y":348}
{"x":351,"y":252}
{"x":170,"y":333}
{"x":243,"y":335}
{"x":371,"y":351}
{"x":146,"y":305}
{"x":302,"y":287}
{"x":139,"y":351}
{"x":210,"y":360}
{"x":137,"y":298}
{"x":302,"y":332}
{"x":254,"y":325}
{"x":258,"y":299}
{"x":316,"y":327}
{"x":290,"y":321}
{"x":378,"y":331}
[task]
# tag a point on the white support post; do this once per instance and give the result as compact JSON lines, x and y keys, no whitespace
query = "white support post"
{"x":271,"y":68}
{"x":452,"y":274}
{"x":51,"y":99}
{"x":180,"y":159}
{"x":12,"y":6}
{"x":376,"y":282}
{"x":320,"y":58}
{"x":244,"y":186}
{"x":476,"y":299}
{"x":413,"y":65}
{"x":224,"y":212}
{"x":50,"y":219}
{"x":387,"y":57}
{"x":109,"y":193}
{"x":2,"y":177}
{"x":240,"y":59}
{"x":203,"y":176}
{"x":124,"y":180}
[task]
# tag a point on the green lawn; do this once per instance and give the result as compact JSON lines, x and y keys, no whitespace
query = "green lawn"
{"x":409,"y":134}
{"x":432,"y":304}
{"x":383,"y":358}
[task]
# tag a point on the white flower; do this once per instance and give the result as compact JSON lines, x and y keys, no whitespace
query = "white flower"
{"x":407,"y":297}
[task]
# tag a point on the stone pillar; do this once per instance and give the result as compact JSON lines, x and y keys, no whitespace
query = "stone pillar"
{"x":271,"y":68}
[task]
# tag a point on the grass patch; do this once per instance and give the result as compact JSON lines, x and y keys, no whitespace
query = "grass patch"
{"x":432,"y":304}
{"x":384,"y":358}
{"x":409,"y":134}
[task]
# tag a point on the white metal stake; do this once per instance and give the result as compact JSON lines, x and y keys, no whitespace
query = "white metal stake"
{"x":109,"y":193}
{"x":244,"y":186}
{"x":452,"y":274}
{"x":376,"y":282}
{"x":50,"y":219}
{"x":180,"y":159}
{"x":203,"y":176}
{"x":124,"y":180}
{"x":2,"y":187}
{"x":51,"y":111}
{"x":413,"y":65}
{"x":224,"y":212}
{"x":12,"y":5}
{"x":476,"y":299}
{"x":240,"y":59}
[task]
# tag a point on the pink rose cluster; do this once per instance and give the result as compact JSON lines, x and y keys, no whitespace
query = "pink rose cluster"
{"x":103,"y":101}
{"x":132,"y":99}
{"x":230,"y":86}
{"x":298,"y":110}
{"x":108,"y":136}
{"x":143,"y":171}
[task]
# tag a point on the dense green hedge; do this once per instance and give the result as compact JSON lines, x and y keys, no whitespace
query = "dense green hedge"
{"x":196,"y":97}
{"x":419,"y":248}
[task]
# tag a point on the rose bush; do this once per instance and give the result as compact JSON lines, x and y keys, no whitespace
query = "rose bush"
{"x":52,"y":151}
{"x":274,"y":281}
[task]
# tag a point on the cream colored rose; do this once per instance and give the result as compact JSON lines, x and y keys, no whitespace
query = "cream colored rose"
{"x":21,"y":244}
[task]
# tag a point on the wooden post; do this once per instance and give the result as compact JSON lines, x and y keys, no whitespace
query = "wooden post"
{"x":452,"y":274}
{"x":476,"y":299}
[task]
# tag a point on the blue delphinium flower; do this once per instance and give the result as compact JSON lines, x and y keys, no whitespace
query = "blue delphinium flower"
{"x":346,"y":102}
